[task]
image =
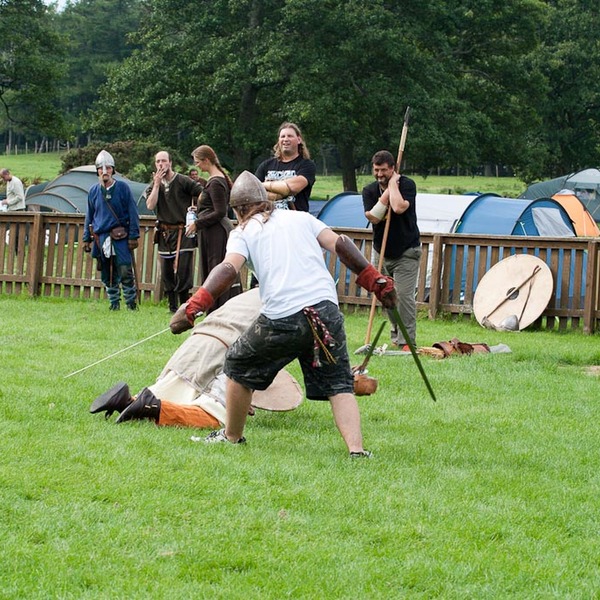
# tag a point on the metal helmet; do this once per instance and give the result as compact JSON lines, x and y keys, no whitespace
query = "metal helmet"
{"x":103,"y":160}
{"x":247,"y":189}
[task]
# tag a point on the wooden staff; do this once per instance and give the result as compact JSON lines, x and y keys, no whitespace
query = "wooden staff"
{"x":387,"y":223}
{"x":136,"y":276}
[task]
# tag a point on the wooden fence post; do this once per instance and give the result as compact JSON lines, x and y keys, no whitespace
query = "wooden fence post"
{"x":436,"y":276}
{"x":37,"y":242}
{"x":591,"y":289}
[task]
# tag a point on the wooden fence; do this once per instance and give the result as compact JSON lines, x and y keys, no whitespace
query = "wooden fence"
{"x":41,"y":254}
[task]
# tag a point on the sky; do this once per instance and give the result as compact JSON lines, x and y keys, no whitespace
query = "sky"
{"x":60,"y":3}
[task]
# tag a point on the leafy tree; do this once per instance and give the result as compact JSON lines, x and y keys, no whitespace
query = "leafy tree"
{"x":98,"y":33}
{"x":227,"y":73}
{"x":133,"y":159}
{"x":204,"y":74}
{"x":31,"y":54}
{"x":478,"y":107}
{"x":359,"y":69}
{"x":569,"y":59}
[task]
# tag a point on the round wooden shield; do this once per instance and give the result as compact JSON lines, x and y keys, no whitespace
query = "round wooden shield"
{"x":283,"y":394}
{"x":513,"y":293}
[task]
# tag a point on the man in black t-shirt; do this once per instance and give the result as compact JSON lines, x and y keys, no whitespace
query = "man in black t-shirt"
{"x":289,"y":176}
{"x":403,"y":247}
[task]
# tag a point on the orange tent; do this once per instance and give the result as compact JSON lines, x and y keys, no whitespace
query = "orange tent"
{"x":583,"y":222}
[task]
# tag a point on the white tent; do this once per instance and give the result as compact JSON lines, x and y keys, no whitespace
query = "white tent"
{"x":438,"y":213}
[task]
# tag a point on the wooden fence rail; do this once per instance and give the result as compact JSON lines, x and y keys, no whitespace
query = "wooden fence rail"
{"x":41,"y":254}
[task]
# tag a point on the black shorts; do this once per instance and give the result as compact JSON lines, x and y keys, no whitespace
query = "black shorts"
{"x":268,"y":345}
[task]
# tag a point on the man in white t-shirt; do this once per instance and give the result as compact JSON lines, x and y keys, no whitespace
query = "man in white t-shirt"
{"x":300,"y":316}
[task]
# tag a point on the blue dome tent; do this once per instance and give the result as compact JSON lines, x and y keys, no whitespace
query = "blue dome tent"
{"x":344,"y":210}
{"x":315,"y":206}
{"x":493,"y":215}
{"x":435,"y":212}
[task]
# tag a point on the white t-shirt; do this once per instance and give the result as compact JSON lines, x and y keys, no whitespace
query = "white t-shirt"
{"x":287,"y":259}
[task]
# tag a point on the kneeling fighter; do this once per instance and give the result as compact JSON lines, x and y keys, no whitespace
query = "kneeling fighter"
{"x":299,"y":318}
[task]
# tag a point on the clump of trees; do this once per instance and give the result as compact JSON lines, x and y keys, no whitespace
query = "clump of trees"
{"x":512,"y":83}
{"x":133,"y":159}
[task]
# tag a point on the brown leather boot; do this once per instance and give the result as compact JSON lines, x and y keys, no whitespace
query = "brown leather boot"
{"x":145,"y":406}
{"x":116,"y":399}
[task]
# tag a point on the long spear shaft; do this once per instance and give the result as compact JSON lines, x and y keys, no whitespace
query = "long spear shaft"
{"x":116,"y":353}
{"x":413,"y":350}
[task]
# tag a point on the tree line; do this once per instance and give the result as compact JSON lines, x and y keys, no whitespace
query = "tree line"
{"x":512,"y":83}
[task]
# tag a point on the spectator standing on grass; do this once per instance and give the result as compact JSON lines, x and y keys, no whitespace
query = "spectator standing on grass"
{"x":288,"y":177}
{"x":403,"y":247}
{"x":171,"y":195}
{"x":15,"y":192}
{"x":111,"y":208}
{"x":212,"y":223}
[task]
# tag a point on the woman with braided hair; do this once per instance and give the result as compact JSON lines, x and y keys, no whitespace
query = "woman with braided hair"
{"x":299,"y":317}
{"x":212,"y":223}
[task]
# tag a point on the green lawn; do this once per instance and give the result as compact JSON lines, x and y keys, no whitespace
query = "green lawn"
{"x":43,"y":167}
{"x":33,"y":168}
{"x":492,"y":492}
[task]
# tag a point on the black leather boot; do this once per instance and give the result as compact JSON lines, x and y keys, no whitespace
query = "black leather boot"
{"x":116,"y":399}
{"x":183,"y":297}
{"x":172,"y":296}
{"x":145,"y":406}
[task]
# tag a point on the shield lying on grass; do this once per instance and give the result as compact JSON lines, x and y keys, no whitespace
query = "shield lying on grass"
{"x":283,"y":394}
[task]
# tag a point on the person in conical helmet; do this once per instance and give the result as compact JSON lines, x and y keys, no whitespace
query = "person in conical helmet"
{"x":111,"y":232}
{"x":300,"y":317}
{"x":104,"y":160}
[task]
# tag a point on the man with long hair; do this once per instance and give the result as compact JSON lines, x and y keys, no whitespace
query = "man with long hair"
{"x":290,"y":174}
{"x":299,"y":318}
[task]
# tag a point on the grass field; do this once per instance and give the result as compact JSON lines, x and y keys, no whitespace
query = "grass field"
{"x":43,"y":167}
{"x":492,"y":492}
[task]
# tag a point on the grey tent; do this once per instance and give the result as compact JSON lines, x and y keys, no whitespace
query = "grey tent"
{"x":585,"y":184}
{"x":68,"y":192}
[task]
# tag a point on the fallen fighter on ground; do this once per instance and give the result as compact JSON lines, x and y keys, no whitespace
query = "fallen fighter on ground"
{"x":190,"y":391}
